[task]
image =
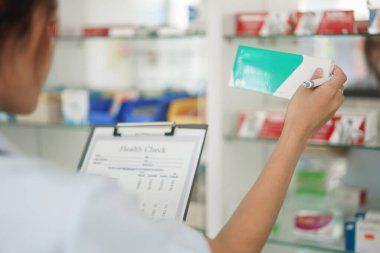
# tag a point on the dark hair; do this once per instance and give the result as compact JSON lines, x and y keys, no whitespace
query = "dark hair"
{"x":371,"y":44}
{"x":16,"y":16}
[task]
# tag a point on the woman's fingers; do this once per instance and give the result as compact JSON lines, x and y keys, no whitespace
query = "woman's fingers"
{"x":338,"y":79}
{"x":317,"y":74}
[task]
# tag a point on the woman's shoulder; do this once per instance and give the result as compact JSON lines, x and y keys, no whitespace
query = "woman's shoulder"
{"x":34,"y":178}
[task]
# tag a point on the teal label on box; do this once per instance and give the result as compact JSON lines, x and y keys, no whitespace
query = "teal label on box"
{"x":263,"y":70}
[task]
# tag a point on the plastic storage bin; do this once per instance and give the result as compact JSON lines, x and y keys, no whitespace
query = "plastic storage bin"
{"x":100,"y":111}
{"x":188,"y":111}
{"x":149,"y":110}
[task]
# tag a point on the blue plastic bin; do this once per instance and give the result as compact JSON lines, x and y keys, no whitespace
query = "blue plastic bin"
{"x":100,"y":111}
{"x":149,"y":110}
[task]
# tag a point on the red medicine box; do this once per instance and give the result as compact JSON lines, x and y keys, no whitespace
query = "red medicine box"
{"x":337,"y":22}
{"x":263,"y":23}
{"x":250,"y":23}
{"x":347,"y":128}
{"x":96,"y":31}
{"x":328,"y":22}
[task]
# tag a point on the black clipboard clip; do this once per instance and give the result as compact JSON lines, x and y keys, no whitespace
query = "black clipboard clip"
{"x":172,"y":126}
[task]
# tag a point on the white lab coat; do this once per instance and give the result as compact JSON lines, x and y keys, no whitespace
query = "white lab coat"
{"x":47,"y":210}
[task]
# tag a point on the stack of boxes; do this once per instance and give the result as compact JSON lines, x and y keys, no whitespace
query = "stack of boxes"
{"x":363,"y":232}
{"x":299,"y":23}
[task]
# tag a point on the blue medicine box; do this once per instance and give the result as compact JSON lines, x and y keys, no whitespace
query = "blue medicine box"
{"x":350,"y":234}
{"x":362,"y":235}
{"x":148,"y":109}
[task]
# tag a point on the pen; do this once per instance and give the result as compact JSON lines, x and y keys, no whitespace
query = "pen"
{"x":316,"y":82}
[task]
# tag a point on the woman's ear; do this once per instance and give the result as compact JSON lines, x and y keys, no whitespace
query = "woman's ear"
{"x":53,"y":26}
{"x":39,"y":26}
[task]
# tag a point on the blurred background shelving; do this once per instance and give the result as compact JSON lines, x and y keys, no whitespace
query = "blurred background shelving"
{"x":159,"y":58}
{"x":238,"y":160}
{"x":68,"y":38}
{"x":372,"y":145}
{"x":199,"y":63}
{"x":294,"y":36}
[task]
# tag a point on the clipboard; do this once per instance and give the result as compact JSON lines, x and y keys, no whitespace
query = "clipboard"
{"x":155,"y":161}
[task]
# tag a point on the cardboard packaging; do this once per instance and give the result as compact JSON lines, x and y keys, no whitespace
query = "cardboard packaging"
{"x":263,"y":23}
{"x":350,"y":127}
{"x":347,"y":127}
{"x":368,"y":215}
{"x":188,"y":111}
{"x":299,"y":23}
{"x":362,"y":26}
{"x":96,"y":31}
{"x":373,"y":4}
{"x":75,"y":107}
{"x":305,"y":23}
{"x":318,"y":225}
{"x":374,"y":21}
{"x":261,"y":124}
{"x":328,"y":22}
{"x":114,"y":31}
{"x":349,"y":199}
{"x":273,"y":72}
{"x":362,"y":236}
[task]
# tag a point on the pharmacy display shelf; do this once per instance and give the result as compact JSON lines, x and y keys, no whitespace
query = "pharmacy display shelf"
{"x":329,"y":247}
{"x":44,"y":126}
{"x":75,"y":38}
{"x":373,"y":145}
{"x":231,"y":37}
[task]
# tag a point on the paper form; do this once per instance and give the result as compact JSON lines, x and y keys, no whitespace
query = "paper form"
{"x":158,"y":169}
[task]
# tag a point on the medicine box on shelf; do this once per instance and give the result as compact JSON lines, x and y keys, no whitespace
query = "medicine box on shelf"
{"x":148,"y":109}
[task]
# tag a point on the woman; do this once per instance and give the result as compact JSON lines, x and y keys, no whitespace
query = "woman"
{"x":46,"y":210}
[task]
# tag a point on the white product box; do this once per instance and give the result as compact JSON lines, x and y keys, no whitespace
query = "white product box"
{"x":363,"y":236}
{"x":352,"y":127}
{"x":372,"y":4}
{"x":327,"y":22}
{"x":374,"y":21}
{"x":349,"y":199}
{"x":263,"y":23}
{"x":273,"y":72}
{"x":368,"y":215}
{"x":75,"y":107}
